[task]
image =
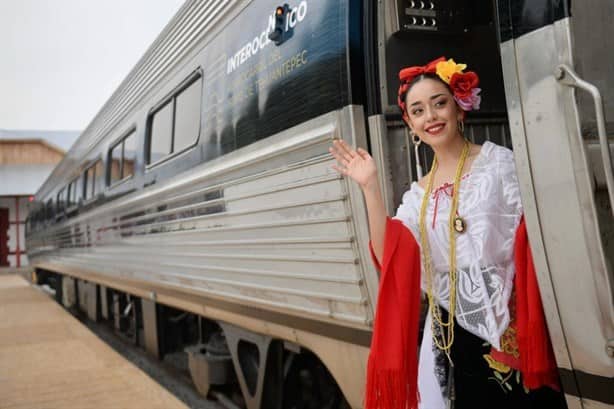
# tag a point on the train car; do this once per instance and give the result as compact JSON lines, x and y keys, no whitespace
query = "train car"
{"x":203,"y":188}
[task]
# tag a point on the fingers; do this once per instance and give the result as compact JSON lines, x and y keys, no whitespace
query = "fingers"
{"x":363,"y":153}
{"x":344,"y":149}
{"x":344,"y":154}
{"x":340,"y":158}
{"x":341,"y":170}
{"x":339,"y":151}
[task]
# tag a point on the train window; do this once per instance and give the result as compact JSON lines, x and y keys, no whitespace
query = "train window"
{"x":74,"y":193}
{"x":69,"y":194}
{"x":187,"y":117}
{"x":90,"y":178}
{"x":99,"y":171}
{"x":175,"y":125}
{"x":93,"y":176}
{"x":115,"y":161}
{"x":74,"y":196}
{"x":59,"y":204}
{"x":122,"y":157}
{"x":129,"y":157}
{"x":49,"y":210}
{"x":161,"y":136}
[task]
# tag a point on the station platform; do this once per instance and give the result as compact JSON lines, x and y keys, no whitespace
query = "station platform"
{"x":48,"y":359}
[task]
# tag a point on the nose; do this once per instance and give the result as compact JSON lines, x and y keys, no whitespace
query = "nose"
{"x":431,"y":114}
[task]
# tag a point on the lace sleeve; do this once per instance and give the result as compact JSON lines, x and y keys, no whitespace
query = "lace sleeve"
{"x":510,"y":189}
{"x":408,"y":210}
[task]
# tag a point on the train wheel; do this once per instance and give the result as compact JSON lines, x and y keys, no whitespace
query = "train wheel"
{"x":309,"y":385}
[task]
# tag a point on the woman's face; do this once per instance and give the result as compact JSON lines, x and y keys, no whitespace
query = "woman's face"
{"x":433,"y":113}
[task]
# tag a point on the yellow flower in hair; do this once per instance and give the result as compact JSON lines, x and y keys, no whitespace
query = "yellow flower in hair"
{"x":445,"y":69}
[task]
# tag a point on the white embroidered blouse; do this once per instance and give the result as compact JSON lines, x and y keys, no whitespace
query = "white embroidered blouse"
{"x":490,"y":204}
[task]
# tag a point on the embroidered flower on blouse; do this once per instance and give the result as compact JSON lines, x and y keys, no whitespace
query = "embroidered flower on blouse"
{"x":503,"y":375}
{"x":496,"y":365}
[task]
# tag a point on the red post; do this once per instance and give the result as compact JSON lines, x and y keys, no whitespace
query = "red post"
{"x":17,"y":249}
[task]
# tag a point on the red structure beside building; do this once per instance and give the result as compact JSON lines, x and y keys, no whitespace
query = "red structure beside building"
{"x":25,"y":163}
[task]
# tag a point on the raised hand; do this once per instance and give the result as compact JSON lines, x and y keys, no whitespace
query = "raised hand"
{"x":356,"y":164}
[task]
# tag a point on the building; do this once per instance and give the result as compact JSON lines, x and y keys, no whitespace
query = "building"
{"x":26,"y":160}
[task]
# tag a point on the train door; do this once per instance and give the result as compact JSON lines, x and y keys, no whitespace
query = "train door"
{"x":558,"y":69}
{"x":415,"y":32}
{"x":527,"y":53}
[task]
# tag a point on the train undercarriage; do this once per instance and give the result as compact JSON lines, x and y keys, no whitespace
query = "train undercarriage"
{"x":237,"y":367}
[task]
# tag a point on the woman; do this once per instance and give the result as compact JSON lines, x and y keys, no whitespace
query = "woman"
{"x":458,"y":235}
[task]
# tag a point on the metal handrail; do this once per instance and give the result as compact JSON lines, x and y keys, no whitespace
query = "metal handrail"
{"x":567,"y":76}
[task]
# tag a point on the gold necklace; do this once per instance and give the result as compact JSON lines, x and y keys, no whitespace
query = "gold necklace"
{"x":447,"y":337}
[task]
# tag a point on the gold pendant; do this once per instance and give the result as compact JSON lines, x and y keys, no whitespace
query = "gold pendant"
{"x":459,"y":224}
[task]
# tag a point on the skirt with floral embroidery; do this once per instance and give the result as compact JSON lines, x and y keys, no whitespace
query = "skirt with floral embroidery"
{"x":478,"y":382}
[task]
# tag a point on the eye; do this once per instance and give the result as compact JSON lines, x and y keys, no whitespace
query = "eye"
{"x":416,"y":111}
{"x":442,"y":102}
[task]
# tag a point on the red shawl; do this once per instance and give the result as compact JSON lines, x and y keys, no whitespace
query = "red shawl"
{"x":392,"y":369}
{"x":537,"y":363}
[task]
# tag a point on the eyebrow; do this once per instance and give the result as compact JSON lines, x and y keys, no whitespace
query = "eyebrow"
{"x":432,"y":98}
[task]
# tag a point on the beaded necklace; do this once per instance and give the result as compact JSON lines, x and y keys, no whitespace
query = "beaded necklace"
{"x":447,"y":337}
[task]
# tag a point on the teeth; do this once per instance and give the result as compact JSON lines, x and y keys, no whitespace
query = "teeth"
{"x":435,"y":128}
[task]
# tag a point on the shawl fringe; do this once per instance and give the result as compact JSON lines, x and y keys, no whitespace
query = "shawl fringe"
{"x":387,"y":389}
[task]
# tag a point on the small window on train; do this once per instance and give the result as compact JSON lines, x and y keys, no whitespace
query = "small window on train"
{"x":115,"y":161}
{"x":59,"y":204}
{"x":187,"y":117}
{"x":69,"y":196}
{"x":49,"y":210}
{"x":161,"y":136}
{"x":122,"y":158}
{"x":175,"y":126}
{"x":74,"y":193}
{"x":93,"y":175}
{"x":129,"y":157}
{"x":90,"y":183}
{"x":99,"y":171}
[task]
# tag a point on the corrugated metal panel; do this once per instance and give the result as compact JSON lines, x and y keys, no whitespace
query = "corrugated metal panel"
{"x":269,"y":226}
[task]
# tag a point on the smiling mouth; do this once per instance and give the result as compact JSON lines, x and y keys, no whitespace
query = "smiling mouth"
{"x":435,"y":129}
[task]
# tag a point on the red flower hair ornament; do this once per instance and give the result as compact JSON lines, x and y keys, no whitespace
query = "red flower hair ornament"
{"x":464,"y":85}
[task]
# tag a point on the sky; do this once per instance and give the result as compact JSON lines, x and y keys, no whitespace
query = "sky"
{"x":60,"y":60}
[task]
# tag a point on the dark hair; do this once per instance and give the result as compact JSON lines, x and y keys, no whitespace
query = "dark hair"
{"x":425,"y":76}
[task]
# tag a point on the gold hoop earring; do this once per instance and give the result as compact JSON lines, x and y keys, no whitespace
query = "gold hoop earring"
{"x":461,"y":127}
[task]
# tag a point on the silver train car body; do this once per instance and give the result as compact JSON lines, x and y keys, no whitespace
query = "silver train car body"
{"x":248,"y":226}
